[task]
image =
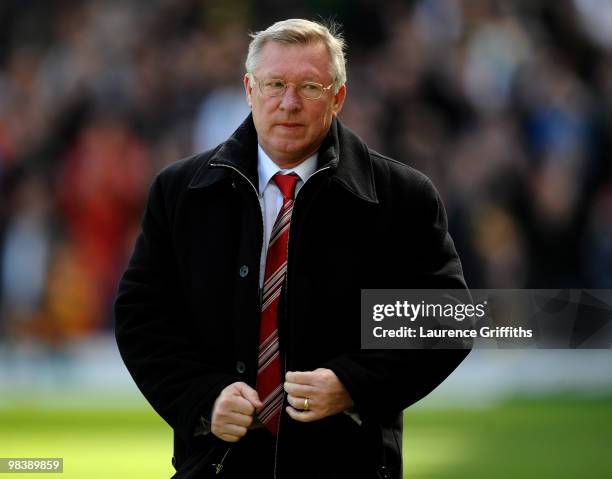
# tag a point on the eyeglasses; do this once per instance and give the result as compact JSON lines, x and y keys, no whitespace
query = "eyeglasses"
{"x":308,"y":90}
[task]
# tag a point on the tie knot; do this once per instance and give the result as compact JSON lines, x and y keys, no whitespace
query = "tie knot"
{"x":286,"y":184}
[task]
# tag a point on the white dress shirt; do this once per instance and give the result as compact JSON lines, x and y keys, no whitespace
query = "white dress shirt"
{"x":271,"y":198}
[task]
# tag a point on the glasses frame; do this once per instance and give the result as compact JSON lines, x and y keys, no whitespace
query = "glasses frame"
{"x":323,"y":88}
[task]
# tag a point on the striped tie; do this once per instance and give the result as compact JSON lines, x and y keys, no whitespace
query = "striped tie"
{"x":269,"y":383}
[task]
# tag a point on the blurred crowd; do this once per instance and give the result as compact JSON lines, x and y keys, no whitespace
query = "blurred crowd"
{"x":507,"y":106}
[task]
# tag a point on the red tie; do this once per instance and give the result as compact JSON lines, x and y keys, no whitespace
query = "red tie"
{"x":269,"y":383}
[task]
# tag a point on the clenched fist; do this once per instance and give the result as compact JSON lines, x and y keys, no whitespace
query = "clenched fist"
{"x":233,"y":411}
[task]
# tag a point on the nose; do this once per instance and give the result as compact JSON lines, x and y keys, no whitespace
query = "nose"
{"x":290,"y":100}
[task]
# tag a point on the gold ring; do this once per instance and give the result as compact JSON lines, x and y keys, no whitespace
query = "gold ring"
{"x":306,"y":406}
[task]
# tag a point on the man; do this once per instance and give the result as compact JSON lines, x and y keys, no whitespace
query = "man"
{"x":238,"y":316}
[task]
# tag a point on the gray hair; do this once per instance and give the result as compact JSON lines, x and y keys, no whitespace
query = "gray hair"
{"x":297,"y":31}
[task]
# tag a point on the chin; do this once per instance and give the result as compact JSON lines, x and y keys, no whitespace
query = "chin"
{"x":289,"y":147}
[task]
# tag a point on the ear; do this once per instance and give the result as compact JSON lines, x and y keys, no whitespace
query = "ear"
{"x":339,"y":100}
{"x":248,"y":88}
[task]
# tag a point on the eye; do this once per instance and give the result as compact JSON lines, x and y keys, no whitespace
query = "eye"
{"x":310,"y":87}
{"x":274,"y":83}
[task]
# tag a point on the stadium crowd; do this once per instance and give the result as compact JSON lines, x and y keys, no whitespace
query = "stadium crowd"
{"x":507,"y":106}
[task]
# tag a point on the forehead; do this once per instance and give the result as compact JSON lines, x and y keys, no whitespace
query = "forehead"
{"x":295,"y":61}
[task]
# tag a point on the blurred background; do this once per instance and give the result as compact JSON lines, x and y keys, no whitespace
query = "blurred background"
{"x":507,"y":106}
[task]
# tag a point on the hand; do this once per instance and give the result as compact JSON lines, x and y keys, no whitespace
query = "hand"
{"x":233,"y":411}
{"x":325,"y":393}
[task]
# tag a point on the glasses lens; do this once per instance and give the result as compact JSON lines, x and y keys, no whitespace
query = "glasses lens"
{"x":312,"y":91}
{"x":273,"y":87}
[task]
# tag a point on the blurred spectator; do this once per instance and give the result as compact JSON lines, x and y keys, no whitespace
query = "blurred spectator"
{"x":100,"y":190}
{"x":221,"y":112}
{"x":597,"y":247}
{"x":224,"y":107}
{"x":25,"y":254}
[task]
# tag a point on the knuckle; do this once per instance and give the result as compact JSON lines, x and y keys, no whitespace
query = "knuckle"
{"x":218,"y":426}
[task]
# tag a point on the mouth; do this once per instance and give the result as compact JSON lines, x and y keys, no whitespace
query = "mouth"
{"x":290,"y":125}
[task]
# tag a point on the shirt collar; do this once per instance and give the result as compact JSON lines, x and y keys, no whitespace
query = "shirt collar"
{"x":266,"y":168}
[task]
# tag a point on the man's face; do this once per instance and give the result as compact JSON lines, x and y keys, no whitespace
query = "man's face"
{"x":289,"y":127}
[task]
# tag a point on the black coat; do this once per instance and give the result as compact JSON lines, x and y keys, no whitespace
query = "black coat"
{"x":187,"y":312}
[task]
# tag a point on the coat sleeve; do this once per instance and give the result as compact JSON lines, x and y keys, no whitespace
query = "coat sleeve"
{"x":155,"y":341}
{"x":384,"y":382}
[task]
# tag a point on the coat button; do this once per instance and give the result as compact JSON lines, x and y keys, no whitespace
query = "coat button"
{"x":244,"y":270}
{"x":240,"y":367}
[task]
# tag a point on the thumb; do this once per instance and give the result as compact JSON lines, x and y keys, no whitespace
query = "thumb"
{"x":250,"y":395}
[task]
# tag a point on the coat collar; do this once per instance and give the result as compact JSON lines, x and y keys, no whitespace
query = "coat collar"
{"x":342,"y":152}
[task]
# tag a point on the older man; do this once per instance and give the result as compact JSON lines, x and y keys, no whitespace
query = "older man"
{"x":238,"y":316}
